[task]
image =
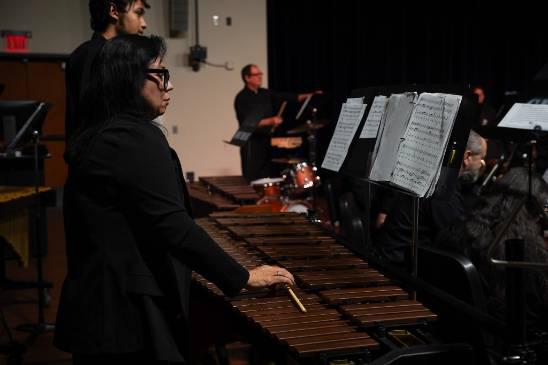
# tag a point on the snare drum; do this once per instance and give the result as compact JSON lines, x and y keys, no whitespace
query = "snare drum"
{"x":304,"y":175}
{"x":269,"y":189}
{"x":268,"y":186}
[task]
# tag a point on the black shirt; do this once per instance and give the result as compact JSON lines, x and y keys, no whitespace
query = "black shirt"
{"x":250,"y":108}
{"x":77,"y":78}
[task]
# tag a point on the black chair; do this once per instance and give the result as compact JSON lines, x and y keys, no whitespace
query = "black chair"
{"x":351,"y":223}
{"x":456,"y":275}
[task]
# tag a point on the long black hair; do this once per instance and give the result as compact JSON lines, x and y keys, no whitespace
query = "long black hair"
{"x":118,"y":76}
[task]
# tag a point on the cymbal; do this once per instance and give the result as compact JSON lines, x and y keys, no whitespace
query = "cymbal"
{"x":306,"y":127}
{"x":288,"y":160}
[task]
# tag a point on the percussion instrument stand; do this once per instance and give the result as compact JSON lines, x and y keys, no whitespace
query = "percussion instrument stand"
{"x":41,"y":327}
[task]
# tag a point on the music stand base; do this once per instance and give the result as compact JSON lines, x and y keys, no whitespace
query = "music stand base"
{"x":35,"y":330}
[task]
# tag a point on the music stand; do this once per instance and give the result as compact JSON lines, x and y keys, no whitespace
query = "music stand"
{"x":358,"y":161}
{"x":18,"y":119}
{"x":28,"y":117}
{"x":520,"y":125}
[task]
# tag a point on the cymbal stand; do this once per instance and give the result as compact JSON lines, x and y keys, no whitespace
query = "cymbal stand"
{"x":311,"y":138}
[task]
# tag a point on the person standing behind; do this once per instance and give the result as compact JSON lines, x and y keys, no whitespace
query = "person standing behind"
{"x":109,"y":18}
{"x":257,"y":103}
{"x":488,"y":116}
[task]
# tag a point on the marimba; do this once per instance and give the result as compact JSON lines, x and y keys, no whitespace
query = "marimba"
{"x":353,"y":310}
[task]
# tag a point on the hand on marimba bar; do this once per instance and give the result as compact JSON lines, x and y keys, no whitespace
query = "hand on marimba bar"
{"x":266,"y":275}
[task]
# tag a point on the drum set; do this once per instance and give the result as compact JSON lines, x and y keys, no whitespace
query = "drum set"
{"x":294,"y":190}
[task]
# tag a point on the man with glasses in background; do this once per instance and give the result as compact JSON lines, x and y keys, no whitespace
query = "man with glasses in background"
{"x":256,"y":105}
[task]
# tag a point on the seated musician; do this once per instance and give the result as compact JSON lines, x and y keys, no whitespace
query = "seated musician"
{"x":472,"y":234}
{"x":256,"y":157}
{"x":131,"y":241}
{"x":393,"y":240}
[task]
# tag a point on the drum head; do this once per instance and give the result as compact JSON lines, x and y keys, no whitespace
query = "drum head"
{"x":267,"y":181}
{"x":298,"y":206}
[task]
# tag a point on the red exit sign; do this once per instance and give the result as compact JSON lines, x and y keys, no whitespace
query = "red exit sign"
{"x":15,"y":40}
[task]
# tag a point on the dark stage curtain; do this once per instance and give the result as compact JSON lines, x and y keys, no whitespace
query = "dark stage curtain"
{"x":347,"y":44}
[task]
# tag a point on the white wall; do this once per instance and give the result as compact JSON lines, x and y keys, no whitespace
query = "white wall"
{"x":202,"y":102}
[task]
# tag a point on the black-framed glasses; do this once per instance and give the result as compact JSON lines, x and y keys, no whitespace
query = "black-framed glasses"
{"x":164,"y":74}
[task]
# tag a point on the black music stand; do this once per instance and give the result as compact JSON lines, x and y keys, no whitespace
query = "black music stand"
{"x":519,"y":351}
{"x":28,"y":130}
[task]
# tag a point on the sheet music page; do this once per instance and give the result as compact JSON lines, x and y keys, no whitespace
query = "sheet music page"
{"x":355,"y":101}
{"x":349,"y":120}
{"x":373,"y":120}
{"x":391,"y":130}
{"x":526,"y":116}
{"x":424,"y":143}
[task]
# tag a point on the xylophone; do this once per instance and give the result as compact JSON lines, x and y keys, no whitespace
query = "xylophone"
{"x":15,"y":204}
{"x":236,"y":188}
{"x":353,"y":310}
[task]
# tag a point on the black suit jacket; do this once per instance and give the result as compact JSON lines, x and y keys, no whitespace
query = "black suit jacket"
{"x":131,"y":246}
{"x":256,"y":155}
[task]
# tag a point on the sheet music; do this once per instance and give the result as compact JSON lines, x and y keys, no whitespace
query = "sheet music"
{"x":391,"y":130}
{"x":371,"y":125}
{"x":240,"y":138}
{"x":526,"y":116}
{"x":421,"y":152}
{"x":349,"y":120}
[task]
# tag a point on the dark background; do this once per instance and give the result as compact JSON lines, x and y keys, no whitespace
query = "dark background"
{"x":342,"y":45}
